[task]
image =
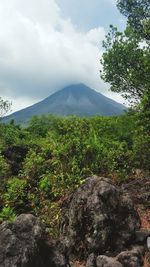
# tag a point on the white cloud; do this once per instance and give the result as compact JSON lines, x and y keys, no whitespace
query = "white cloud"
{"x":40,"y":51}
{"x":18,"y":103}
{"x":96,"y":35}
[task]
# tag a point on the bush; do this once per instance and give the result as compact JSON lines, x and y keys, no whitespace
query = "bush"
{"x":7,"y":214}
{"x":16,"y":194}
{"x":4,"y":168}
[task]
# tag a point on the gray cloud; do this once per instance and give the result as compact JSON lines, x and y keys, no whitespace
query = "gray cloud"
{"x":40,"y":51}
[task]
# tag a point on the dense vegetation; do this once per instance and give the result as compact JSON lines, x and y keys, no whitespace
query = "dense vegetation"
{"x":42,"y":163}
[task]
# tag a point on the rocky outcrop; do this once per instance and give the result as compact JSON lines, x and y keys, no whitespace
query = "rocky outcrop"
{"x":98,"y":219}
{"x":128,"y":258}
{"x":23,"y":244}
{"x":104,"y":261}
{"x":131,"y":258}
{"x":99,"y":225}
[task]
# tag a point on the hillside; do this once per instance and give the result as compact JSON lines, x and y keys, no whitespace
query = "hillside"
{"x":76,"y":99}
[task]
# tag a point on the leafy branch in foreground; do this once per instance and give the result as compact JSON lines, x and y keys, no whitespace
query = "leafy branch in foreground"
{"x":126,"y":64}
{"x":126,"y":60}
{"x":138,"y":14}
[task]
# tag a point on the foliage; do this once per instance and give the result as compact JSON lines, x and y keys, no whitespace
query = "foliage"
{"x":45,"y":185}
{"x":7,"y":214}
{"x":4,"y":168}
{"x":5,"y":106}
{"x":126,"y":60}
{"x":60,"y":158}
{"x":33,"y":165}
{"x":15,"y":195}
{"x":126,"y":64}
{"x":40,"y":125}
{"x":138,"y":14}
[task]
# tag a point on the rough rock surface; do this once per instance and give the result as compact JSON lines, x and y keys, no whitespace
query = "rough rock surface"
{"x":23,"y":244}
{"x":99,"y":225}
{"x":131,"y":258}
{"x":138,"y":189}
{"x":128,"y":258}
{"x":141,"y":237}
{"x":91,"y":260}
{"x":98,"y":219}
{"x":104,"y":261}
{"x":148,"y":243}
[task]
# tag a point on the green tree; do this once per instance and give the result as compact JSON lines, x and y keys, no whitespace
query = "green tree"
{"x":126,"y":60}
{"x":138,"y":15}
{"x":5,"y":106}
{"x":126,"y":67}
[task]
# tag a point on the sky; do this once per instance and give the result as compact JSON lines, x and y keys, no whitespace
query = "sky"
{"x":46,"y":45}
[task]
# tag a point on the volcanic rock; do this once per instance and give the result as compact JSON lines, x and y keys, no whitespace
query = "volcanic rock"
{"x":98,"y":218}
{"x":23,"y":244}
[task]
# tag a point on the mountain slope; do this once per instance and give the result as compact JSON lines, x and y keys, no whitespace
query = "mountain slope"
{"x":76,"y":99}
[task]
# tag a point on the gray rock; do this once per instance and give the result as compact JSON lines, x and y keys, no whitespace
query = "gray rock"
{"x":23,"y":244}
{"x":141,"y":236}
{"x":19,"y":241}
{"x":98,"y":218}
{"x":138,"y":189}
{"x":91,"y":261}
{"x":148,"y":242}
{"x":131,"y":258}
{"x":104,"y":261}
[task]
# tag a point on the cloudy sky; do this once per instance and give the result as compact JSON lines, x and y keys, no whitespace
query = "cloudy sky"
{"x":48,"y":44}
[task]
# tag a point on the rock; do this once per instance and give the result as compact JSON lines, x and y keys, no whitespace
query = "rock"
{"x":23,"y":244}
{"x":98,"y":218}
{"x":91,"y":260}
{"x":129,"y":258}
{"x":132,"y":258}
{"x":141,"y":236}
{"x":138,"y":189}
{"x":104,"y":261}
{"x":148,"y":243}
{"x":56,"y":255}
{"x":19,"y":242}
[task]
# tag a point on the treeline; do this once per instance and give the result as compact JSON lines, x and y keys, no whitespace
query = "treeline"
{"x":42,"y":163}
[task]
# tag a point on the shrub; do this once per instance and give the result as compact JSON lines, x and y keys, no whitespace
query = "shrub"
{"x":7,"y":214}
{"x":16,"y":194}
{"x":4,"y":168}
